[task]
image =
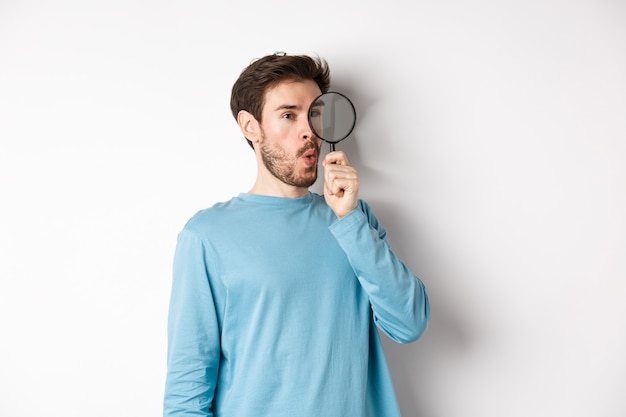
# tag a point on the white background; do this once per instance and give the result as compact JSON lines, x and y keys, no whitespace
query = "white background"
{"x":491,"y":143}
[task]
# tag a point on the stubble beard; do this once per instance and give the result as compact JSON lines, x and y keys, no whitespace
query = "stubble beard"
{"x":283,"y":167}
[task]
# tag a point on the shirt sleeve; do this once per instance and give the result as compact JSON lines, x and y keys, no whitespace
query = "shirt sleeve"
{"x":398,"y":298}
{"x":193,"y":333}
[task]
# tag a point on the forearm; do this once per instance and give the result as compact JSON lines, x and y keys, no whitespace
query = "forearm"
{"x":192,"y":367}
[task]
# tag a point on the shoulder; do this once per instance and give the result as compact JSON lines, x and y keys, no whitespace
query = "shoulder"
{"x":317,"y":199}
{"x":211,"y":217}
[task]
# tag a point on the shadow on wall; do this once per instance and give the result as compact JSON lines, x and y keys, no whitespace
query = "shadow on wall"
{"x":417,"y":367}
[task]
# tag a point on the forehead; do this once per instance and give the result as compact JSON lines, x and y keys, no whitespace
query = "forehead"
{"x":291,"y":93}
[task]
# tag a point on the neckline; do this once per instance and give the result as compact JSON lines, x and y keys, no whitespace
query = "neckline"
{"x":276,"y":201}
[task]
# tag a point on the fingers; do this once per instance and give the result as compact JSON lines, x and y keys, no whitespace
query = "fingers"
{"x":336,"y":157}
{"x":339,"y":179}
{"x":341,"y":183}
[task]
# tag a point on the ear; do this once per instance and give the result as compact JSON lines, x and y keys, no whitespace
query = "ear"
{"x":249,"y":126}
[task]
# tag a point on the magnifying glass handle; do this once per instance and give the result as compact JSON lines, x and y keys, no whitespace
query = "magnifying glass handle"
{"x":332,"y":147}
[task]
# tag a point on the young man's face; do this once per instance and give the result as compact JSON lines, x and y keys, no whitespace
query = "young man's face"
{"x":289,"y":149}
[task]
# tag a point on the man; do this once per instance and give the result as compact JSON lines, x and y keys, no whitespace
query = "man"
{"x":278,"y":292}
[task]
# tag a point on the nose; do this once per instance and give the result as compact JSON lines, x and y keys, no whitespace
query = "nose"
{"x":306,"y":133}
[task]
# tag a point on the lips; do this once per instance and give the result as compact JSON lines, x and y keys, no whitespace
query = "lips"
{"x":307,"y":150}
{"x":310,"y":156}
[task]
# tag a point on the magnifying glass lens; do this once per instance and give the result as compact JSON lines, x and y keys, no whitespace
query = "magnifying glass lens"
{"x":332,"y":117}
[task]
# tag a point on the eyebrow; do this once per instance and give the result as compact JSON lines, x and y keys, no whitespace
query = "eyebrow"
{"x":297,"y":107}
{"x":287,"y":107}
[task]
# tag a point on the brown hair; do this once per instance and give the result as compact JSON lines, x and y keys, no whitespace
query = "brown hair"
{"x":249,"y":90}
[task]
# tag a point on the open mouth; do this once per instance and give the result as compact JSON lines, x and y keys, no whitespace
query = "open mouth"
{"x":310,"y":157}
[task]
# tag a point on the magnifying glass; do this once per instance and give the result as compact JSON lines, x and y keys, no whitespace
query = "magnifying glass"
{"x":332,"y":117}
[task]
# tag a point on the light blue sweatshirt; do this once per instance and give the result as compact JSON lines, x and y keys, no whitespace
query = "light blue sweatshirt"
{"x":274,"y":308}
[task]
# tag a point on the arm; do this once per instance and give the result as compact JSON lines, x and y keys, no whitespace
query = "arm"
{"x":398,"y":298}
{"x":193,"y":334}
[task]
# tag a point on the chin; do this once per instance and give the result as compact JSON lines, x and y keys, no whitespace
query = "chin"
{"x":305,"y":181}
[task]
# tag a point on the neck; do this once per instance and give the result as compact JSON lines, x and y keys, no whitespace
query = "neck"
{"x":278,"y":189}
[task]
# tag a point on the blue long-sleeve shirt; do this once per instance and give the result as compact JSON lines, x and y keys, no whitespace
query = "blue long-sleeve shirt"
{"x":273,"y":311}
